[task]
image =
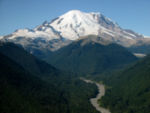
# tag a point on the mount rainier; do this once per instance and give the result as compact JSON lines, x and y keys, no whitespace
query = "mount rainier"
{"x":69,"y":27}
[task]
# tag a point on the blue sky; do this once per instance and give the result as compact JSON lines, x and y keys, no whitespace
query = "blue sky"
{"x":129,"y":14}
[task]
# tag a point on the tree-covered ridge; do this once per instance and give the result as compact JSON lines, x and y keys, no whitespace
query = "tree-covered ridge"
{"x":27,"y":60}
{"x":130,"y":89}
{"x":24,"y":92}
{"x":91,"y":55}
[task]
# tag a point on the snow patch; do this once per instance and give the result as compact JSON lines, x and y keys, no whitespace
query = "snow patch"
{"x":146,"y":36}
{"x":139,"y":55}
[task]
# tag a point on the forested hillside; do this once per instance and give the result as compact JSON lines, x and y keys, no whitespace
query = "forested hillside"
{"x":91,"y":55}
{"x":129,"y":89}
{"x":25,"y":92}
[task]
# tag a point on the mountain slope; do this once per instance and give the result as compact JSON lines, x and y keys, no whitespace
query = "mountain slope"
{"x":130,"y":92}
{"x":91,"y":55}
{"x":75,"y":24}
{"x":61,"y":31}
{"x":143,"y":48}
{"x":26,"y":60}
{"x":24,"y":91}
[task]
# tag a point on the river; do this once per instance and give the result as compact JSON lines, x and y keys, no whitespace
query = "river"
{"x":101,"y":92}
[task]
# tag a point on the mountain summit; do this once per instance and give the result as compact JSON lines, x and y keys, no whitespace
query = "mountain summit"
{"x":71,"y":26}
{"x":75,"y":24}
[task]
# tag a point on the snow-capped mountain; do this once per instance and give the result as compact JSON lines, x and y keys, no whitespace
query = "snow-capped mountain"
{"x":47,"y":33}
{"x":71,"y":26}
{"x":75,"y":24}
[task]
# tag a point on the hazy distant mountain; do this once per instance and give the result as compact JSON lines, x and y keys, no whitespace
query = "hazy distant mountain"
{"x":90,"y":55}
{"x":70,"y":26}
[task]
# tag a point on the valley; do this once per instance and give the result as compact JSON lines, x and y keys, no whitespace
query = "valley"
{"x":78,"y":62}
{"x":35,"y":86}
{"x":129,"y":89}
{"x":101,"y":92}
